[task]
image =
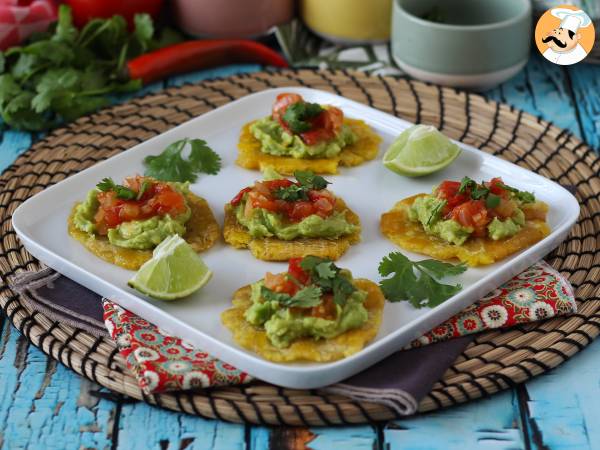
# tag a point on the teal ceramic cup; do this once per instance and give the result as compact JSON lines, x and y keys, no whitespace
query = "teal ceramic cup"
{"x":474,"y":44}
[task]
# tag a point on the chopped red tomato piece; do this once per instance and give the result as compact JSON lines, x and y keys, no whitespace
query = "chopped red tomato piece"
{"x":472,"y":214}
{"x":496,"y":186}
{"x":448,"y":190}
{"x":280,"y":283}
{"x":295,"y":270}
{"x":238,"y":198}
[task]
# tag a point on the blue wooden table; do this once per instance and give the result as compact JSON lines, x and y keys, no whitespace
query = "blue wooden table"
{"x":43,"y":405}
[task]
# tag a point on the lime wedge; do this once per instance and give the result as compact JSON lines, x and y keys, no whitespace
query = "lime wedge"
{"x":175,"y":271}
{"x":420,"y":150}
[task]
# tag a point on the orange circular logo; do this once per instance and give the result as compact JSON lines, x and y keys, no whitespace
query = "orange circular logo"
{"x":564,"y":35}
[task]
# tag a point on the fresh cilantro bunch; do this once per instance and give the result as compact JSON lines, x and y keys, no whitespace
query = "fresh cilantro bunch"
{"x":307,"y":181}
{"x":123,"y":192}
{"x":65,"y":73}
{"x":171,"y":166}
{"x":297,"y":114}
{"x":416,"y":281}
{"x":481,"y":192}
{"x":327,"y":276}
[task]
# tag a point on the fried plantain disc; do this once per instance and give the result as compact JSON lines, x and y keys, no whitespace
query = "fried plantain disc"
{"x":364,"y":149}
{"x":202,"y":231}
{"x":476,"y":251}
{"x":305,"y":349}
{"x":274,"y":249}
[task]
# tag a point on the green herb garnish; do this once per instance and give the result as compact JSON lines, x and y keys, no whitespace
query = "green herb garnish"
{"x":480,"y":191}
{"x":416,"y":282}
{"x":307,"y":297}
{"x":107,"y":184}
{"x":326,"y":275}
{"x":307,"y":181}
{"x":65,"y":73}
{"x":171,"y":166}
{"x":296,"y":116}
{"x":524,"y":196}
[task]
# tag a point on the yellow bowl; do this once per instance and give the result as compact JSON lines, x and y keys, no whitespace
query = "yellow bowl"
{"x":348,"y":21}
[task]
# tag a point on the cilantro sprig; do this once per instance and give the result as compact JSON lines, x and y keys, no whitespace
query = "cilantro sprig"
{"x":327,"y":276}
{"x":171,"y":166}
{"x":307,"y":297}
{"x":123,"y":192}
{"x":307,"y":181}
{"x":416,"y":281}
{"x":296,"y":116}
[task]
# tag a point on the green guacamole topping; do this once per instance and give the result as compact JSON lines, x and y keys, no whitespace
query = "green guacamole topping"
{"x":264,"y":223}
{"x":136,"y":234}
{"x":284,"y":325}
{"x":427,"y":210}
{"x":500,"y":229}
{"x":276,"y":141}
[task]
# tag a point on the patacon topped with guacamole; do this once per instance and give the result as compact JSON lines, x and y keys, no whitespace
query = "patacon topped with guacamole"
{"x":302,"y":130}
{"x":139,"y":214}
{"x":457,"y":210}
{"x":289,"y":209}
{"x":314,"y":299}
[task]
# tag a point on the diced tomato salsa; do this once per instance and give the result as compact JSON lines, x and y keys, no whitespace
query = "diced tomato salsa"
{"x":262,"y":195}
{"x":159,"y":199}
{"x":324,"y":126}
{"x":294,"y":280}
{"x":460,"y":206}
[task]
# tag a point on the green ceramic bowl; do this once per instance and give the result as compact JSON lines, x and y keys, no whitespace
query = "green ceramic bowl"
{"x":463,"y":43}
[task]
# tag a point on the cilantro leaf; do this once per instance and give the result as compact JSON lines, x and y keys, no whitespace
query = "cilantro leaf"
{"x":310,"y":180}
{"x":492,"y":201}
{"x":171,"y":166}
{"x":329,"y":277}
{"x":107,"y":184}
{"x":307,"y":297}
{"x":292,"y":193}
{"x":307,"y":181}
{"x":440,"y":269}
{"x":416,"y":281}
{"x":296,"y":116}
{"x":524,"y":196}
{"x":466,"y":183}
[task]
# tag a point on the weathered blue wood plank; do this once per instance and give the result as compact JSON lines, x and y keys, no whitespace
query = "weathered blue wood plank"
{"x":540,"y":89}
{"x":565,"y":403}
{"x":44,"y":405}
{"x":362,"y":437}
{"x":491,"y":423}
{"x":144,"y":427}
{"x":585,"y":80}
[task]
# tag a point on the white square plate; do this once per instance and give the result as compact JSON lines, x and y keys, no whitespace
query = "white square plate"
{"x":369,"y":190}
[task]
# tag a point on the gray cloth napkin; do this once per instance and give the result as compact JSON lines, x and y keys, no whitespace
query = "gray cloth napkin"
{"x":400,"y":381}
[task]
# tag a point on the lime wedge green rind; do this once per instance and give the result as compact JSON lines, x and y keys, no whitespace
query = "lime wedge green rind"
{"x":420,"y":150}
{"x":175,"y":271}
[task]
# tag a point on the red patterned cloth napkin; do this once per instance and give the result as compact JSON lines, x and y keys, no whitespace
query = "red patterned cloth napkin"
{"x":162,"y":362}
{"x":19,"y":19}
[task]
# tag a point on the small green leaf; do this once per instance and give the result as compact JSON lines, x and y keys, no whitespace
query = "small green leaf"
{"x":492,"y":201}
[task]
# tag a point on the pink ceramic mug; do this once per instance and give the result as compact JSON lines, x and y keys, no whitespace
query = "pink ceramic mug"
{"x":231,"y":18}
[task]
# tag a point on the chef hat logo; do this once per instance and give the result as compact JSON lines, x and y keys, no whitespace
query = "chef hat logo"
{"x":564,"y":35}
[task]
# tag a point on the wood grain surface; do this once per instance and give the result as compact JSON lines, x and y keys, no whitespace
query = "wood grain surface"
{"x":44,"y":405}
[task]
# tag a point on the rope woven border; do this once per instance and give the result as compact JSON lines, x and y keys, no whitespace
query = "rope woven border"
{"x":493,"y":362}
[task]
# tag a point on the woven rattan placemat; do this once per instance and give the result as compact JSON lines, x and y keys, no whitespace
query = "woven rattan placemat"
{"x":495,"y":361}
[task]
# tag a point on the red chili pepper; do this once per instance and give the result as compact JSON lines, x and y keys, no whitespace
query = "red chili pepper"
{"x":195,"y":55}
{"x":238,"y":198}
